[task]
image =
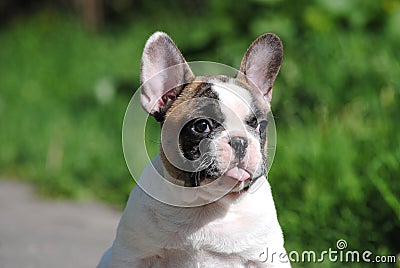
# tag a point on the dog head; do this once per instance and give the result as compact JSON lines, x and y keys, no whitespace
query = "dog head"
{"x":214,"y":128}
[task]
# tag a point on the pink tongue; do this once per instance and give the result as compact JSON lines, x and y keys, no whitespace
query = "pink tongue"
{"x":238,"y":174}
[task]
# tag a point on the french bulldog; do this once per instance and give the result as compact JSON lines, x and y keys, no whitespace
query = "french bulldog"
{"x":213,"y":159}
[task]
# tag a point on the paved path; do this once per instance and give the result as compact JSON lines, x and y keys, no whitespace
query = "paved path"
{"x":45,"y":233}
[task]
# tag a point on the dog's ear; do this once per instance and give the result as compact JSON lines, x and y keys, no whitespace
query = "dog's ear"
{"x":160,"y":85}
{"x":260,"y":65}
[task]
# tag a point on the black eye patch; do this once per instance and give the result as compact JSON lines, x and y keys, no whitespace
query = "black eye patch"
{"x":253,"y":122}
{"x":193,"y":133}
{"x":263,"y":126}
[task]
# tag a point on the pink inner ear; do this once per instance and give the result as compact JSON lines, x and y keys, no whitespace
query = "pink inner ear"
{"x":169,"y":95}
{"x":257,"y":68}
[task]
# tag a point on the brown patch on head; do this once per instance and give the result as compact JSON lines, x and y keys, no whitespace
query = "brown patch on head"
{"x":181,"y":110}
{"x":193,"y":90}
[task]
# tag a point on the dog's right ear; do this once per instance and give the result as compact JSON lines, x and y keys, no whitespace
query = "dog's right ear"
{"x":261,"y":63}
{"x":163,"y":73}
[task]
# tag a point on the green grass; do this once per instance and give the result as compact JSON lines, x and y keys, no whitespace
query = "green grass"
{"x":56,"y":128}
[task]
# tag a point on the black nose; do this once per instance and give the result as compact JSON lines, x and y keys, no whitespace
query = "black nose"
{"x":239,"y":145}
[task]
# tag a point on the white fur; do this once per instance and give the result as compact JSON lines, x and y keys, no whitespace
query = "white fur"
{"x":236,"y":104}
{"x":231,"y":232}
{"x":240,"y":100}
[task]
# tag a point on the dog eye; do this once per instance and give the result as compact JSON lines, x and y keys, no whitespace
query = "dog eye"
{"x":253,"y":122}
{"x":201,"y":126}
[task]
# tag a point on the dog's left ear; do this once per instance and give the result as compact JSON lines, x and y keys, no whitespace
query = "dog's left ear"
{"x":260,"y":65}
{"x":163,"y":73}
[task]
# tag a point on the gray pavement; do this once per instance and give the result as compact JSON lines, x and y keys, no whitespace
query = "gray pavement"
{"x":47,"y":233}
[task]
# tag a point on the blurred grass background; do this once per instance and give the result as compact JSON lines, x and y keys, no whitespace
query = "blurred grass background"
{"x":69,"y":68}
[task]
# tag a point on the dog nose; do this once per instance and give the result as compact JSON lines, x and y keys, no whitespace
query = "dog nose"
{"x":239,"y":145}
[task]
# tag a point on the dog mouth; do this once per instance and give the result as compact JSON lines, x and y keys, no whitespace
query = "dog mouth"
{"x":237,"y":173}
{"x":234,"y":176}
{"x":240,"y":178}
